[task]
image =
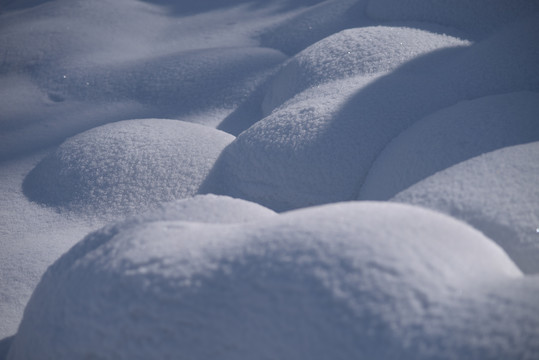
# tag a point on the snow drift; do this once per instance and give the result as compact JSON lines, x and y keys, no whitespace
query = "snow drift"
{"x":496,"y":193}
{"x":126,"y":166}
{"x":352,"y":52}
{"x":335,"y":281}
{"x":450,"y":136}
{"x":318,"y":146}
{"x":327,"y":98}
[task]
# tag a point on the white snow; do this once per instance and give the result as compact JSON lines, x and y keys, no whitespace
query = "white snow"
{"x":318,"y":147}
{"x":497,"y":193}
{"x":206,"y":209}
{"x":31,"y":238}
{"x":197,"y":120}
{"x":450,"y":136}
{"x":300,"y":285}
{"x":360,"y":51}
{"x":126,"y":166}
{"x":80,"y":67}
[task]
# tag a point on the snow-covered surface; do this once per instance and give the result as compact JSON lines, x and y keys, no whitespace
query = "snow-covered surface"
{"x":126,"y":166}
{"x":70,"y":65}
{"x":450,"y":136}
{"x":318,"y":146}
{"x":359,"y":51}
{"x":497,"y":193}
{"x":111,"y":107}
{"x":232,"y":291}
{"x":32,"y":238}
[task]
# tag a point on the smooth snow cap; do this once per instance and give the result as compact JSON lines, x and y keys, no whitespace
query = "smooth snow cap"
{"x":450,"y":136}
{"x":352,"y":52}
{"x":126,"y":166}
{"x":497,"y":193}
{"x":318,"y":146}
{"x":327,"y":282}
{"x":478,"y":18}
{"x":206,"y":209}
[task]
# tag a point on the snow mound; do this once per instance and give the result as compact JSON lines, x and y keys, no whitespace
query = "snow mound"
{"x":496,"y":193}
{"x":360,"y":51}
{"x":208,"y":208}
{"x":126,"y":166}
{"x":450,"y":136}
{"x":319,"y":146}
{"x":295,"y":157}
{"x":328,"y":282}
{"x":478,"y":18}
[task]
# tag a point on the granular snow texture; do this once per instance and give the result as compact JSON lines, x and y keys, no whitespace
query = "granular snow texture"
{"x":318,"y":147}
{"x":126,"y":166}
{"x":452,"y":135}
{"x":497,"y":193}
{"x":352,"y":52}
{"x":328,"y":282}
{"x":316,"y":102}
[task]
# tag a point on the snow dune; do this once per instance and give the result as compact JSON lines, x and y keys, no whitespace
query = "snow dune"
{"x":318,"y":146}
{"x":496,"y":192}
{"x":126,"y":166}
{"x":449,"y":136}
{"x":348,"y":276}
{"x":360,"y":51}
{"x":180,"y":128}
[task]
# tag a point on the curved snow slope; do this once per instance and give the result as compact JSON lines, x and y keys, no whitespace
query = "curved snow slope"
{"x":450,"y":136}
{"x":184,"y":81}
{"x":328,"y":282}
{"x":70,"y":65}
{"x":478,"y":18}
{"x":318,"y":147}
{"x":164,"y":86}
{"x":496,"y":193}
{"x":352,"y":52}
{"x":205,"y":209}
{"x":126,"y":166}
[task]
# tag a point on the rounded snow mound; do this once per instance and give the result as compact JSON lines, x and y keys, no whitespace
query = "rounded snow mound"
{"x":450,"y":136}
{"x":302,"y":154}
{"x":360,"y":51}
{"x":208,"y":208}
{"x":319,"y":146}
{"x":327,"y":282}
{"x":478,"y":18}
{"x":126,"y":166}
{"x":496,"y":193}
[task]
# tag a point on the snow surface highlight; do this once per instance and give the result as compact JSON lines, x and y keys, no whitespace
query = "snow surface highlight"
{"x":352,"y":52}
{"x":334,"y":281}
{"x":330,"y":100}
{"x":496,"y":193}
{"x":126,"y":166}
{"x":318,"y":147}
{"x":450,"y":136}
